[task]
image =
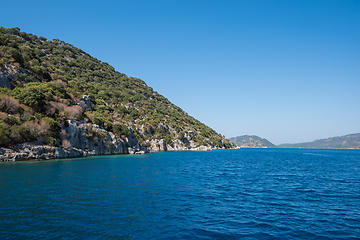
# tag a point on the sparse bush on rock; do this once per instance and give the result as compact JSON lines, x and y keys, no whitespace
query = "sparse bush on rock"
{"x":8,"y":104}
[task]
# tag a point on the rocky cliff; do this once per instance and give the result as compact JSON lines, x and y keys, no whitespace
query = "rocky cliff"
{"x":85,"y":139}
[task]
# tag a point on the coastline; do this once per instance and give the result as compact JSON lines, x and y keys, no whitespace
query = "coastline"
{"x":107,"y":144}
{"x":33,"y":152}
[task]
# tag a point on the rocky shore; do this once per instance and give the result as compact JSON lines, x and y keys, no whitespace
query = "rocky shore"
{"x":81,"y":142}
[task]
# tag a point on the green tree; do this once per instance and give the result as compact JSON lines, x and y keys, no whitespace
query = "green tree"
{"x":33,"y":97}
{"x":4,"y":134}
{"x":20,"y":133}
{"x":120,"y":130}
{"x":12,"y":120}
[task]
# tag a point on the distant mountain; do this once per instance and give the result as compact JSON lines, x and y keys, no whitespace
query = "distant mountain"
{"x":347,"y":141}
{"x":253,"y":141}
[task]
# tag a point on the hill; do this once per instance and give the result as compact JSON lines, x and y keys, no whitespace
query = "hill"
{"x":253,"y":141}
{"x":58,"y":101}
{"x":347,"y":141}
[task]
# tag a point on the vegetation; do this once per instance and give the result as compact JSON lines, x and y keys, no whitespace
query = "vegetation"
{"x":48,"y":85}
{"x":341,"y":142}
{"x":252,"y":142}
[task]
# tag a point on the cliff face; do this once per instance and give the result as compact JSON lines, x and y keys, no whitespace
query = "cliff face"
{"x":10,"y":73}
{"x":84,"y":139}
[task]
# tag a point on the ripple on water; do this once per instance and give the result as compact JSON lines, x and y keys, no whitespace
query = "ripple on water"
{"x":231,"y":194}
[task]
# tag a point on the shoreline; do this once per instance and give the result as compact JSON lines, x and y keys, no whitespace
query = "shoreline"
{"x":32,"y":152}
{"x":16,"y":157}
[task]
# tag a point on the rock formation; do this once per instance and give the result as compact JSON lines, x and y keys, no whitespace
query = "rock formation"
{"x":84,"y":139}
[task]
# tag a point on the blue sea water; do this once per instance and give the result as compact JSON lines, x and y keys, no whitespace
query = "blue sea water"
{"x":222,"y":194}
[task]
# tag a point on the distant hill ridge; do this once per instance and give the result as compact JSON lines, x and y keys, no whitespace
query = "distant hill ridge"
{"x":351,"y":141}
{"x":253,"y":141}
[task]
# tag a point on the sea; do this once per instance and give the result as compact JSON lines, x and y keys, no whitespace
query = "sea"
{"x":220,"y":194}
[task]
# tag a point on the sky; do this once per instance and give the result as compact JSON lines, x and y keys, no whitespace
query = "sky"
{"x":287,"y":71}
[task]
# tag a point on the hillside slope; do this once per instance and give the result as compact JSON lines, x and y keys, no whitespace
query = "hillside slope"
{"x":347,"y":141}
{"x":55,"y":95}
{"x":253,"y":141}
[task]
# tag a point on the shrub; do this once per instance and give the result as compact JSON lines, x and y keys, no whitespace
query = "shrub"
{"x":120,"y":130}
{"x":4,"y":134}
{"x":38,"y":115}
{"x":33,"y":97}
{"x":27,"y":117}
{"x":12,"y":120}
{"x":168,"y":139}
{"x":54,"y":127}
{"x":36,"y":130}
{"x":181,"y":136}
{"x":57,"y":88}
{"x":8,"y":104}
{"x":50,"y":141}
{"x":122,"y":110}
{"x":20,"y":133}
{"x":108,"y":125}
{"x":227,"y":145}
{"x":73,"y":112}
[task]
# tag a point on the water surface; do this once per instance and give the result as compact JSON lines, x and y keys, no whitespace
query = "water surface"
{"x":223,"y":194}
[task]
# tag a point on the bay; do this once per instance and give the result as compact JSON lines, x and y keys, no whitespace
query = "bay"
{"x":222,"y":194}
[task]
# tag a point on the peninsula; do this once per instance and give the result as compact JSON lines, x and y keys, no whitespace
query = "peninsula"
{"x":247,"y":141}
{"x":57,"y":101}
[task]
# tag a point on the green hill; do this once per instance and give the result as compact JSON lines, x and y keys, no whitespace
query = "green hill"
{"x":47,"y":84}
{"x":253,"y":141}
{"x":347,"y":141}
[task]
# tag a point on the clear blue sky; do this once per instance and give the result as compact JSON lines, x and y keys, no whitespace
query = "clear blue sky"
{"x":288,"y":71}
